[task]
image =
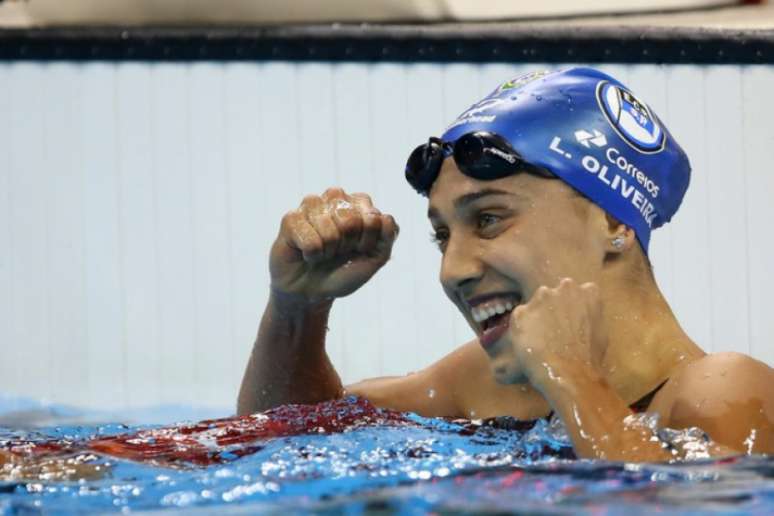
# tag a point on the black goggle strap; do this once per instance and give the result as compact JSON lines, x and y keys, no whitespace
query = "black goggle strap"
{"x":424,"y":164}
{"x":481,"y":155}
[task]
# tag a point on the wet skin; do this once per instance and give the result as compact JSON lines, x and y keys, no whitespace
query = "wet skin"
{"x":591,"y":332}
{"x":588,"y":312}
{"x":513,"y":235}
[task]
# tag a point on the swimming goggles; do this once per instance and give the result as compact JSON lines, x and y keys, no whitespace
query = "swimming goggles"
{"x":480,"y":155}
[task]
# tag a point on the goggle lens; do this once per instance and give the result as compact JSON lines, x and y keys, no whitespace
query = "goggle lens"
{"x":480,"y":155}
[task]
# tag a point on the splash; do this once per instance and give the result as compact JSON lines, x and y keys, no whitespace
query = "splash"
{"x":348,"y":456}
{"x":218,"y":440}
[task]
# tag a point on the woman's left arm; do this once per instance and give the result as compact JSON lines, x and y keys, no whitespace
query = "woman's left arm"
{"x":727,"y":395}
{"x":601,"y":426}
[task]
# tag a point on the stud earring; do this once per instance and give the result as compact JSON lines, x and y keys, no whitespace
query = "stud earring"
{"x":618,"y":242}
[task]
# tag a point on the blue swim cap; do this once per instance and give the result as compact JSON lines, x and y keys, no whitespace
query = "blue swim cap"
{"x":596,"y":135}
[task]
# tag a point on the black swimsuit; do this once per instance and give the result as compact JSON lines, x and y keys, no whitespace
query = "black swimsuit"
{"x":639,"y":406}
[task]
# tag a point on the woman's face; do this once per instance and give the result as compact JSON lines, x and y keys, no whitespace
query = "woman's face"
{"x":503,"y":239}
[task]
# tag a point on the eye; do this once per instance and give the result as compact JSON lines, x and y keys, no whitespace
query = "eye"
{"x":487,"y":219}
{"x":439,"y":237}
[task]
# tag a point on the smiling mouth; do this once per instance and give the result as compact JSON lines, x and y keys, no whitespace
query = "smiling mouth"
{"x":494,"y":311}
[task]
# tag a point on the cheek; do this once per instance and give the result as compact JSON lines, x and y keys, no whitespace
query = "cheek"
{"x":546,"y":252}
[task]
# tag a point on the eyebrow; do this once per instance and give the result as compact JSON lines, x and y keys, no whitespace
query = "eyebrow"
{"x":464,"y":200}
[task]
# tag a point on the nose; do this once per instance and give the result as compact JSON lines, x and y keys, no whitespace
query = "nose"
{"x":461,"y":264}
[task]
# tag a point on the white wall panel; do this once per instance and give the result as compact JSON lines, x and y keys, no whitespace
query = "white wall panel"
{"x":6,"y":243}
{"x":67,"y":230}
{"x":138,"y":203}
{"x":243,"y":91}
{"x":29,"y":349}
{"x":138,"y":231}
{"x":212,"y":349}
{"x":104,"y":247}
{"x":691,"y":295}
{"x":726,"y":212}
{"x":758,"y":138}
{"x":174,"y":228}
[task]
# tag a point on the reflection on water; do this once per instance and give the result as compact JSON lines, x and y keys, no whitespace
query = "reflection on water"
{"x":348,"y":455}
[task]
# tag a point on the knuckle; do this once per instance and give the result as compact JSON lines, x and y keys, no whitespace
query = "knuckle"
{"x":348,"y":224}
{"x":364,"y":196}
{"x":310,"y":199}
{"x":518,"y":314}
{"x":313,"y":247}
{"x":334,"y":191}
{"x":372,"y":224}
{"x":329,"y":235}
{"x":289,"y":219}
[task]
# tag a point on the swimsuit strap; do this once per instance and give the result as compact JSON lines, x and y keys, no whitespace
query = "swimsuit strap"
{"x":641,"y":405}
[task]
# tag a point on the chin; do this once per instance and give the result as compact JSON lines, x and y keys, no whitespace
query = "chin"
{"x":508,"y":374}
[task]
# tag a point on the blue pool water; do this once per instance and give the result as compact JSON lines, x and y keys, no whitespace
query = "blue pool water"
{"x":381,"y":463}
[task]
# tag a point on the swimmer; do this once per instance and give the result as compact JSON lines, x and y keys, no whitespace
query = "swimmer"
{"x":542,"y":198}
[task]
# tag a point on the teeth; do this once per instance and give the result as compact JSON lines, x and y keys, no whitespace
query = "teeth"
{"x":482,"y":313}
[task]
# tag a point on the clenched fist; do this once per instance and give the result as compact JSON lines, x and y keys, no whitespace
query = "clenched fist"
{"x":330,"y":246}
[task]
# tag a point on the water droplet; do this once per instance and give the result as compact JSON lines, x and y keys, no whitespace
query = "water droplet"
{"x":538,"y":98}
{"x":431,"y":393}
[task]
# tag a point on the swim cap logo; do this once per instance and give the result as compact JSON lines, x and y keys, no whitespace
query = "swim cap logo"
{"x":521,"y":80}
{"x":477,"y":113}
{"x":631,"y":118}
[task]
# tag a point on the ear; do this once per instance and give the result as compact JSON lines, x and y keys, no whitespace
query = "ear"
{"x":620,"y":238}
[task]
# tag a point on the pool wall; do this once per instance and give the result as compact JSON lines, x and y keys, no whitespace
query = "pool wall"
{"x":140,"y":192}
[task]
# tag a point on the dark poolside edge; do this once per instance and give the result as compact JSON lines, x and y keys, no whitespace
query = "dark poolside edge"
{"x":432,"y":43}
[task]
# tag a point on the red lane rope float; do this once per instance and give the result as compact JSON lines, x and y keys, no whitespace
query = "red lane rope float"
{"x":221,"y":440}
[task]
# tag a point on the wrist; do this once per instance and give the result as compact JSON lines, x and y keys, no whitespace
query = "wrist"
{"x":556,"y":374}
{"x":290,"y":304}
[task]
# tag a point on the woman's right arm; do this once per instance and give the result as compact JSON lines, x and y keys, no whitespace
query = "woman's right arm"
{"x":327,"y":248}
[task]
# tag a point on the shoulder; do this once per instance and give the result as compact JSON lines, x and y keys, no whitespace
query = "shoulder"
{"x":728,"y":373}
{"x":728,"y":395}
{"x":467,"y":370}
